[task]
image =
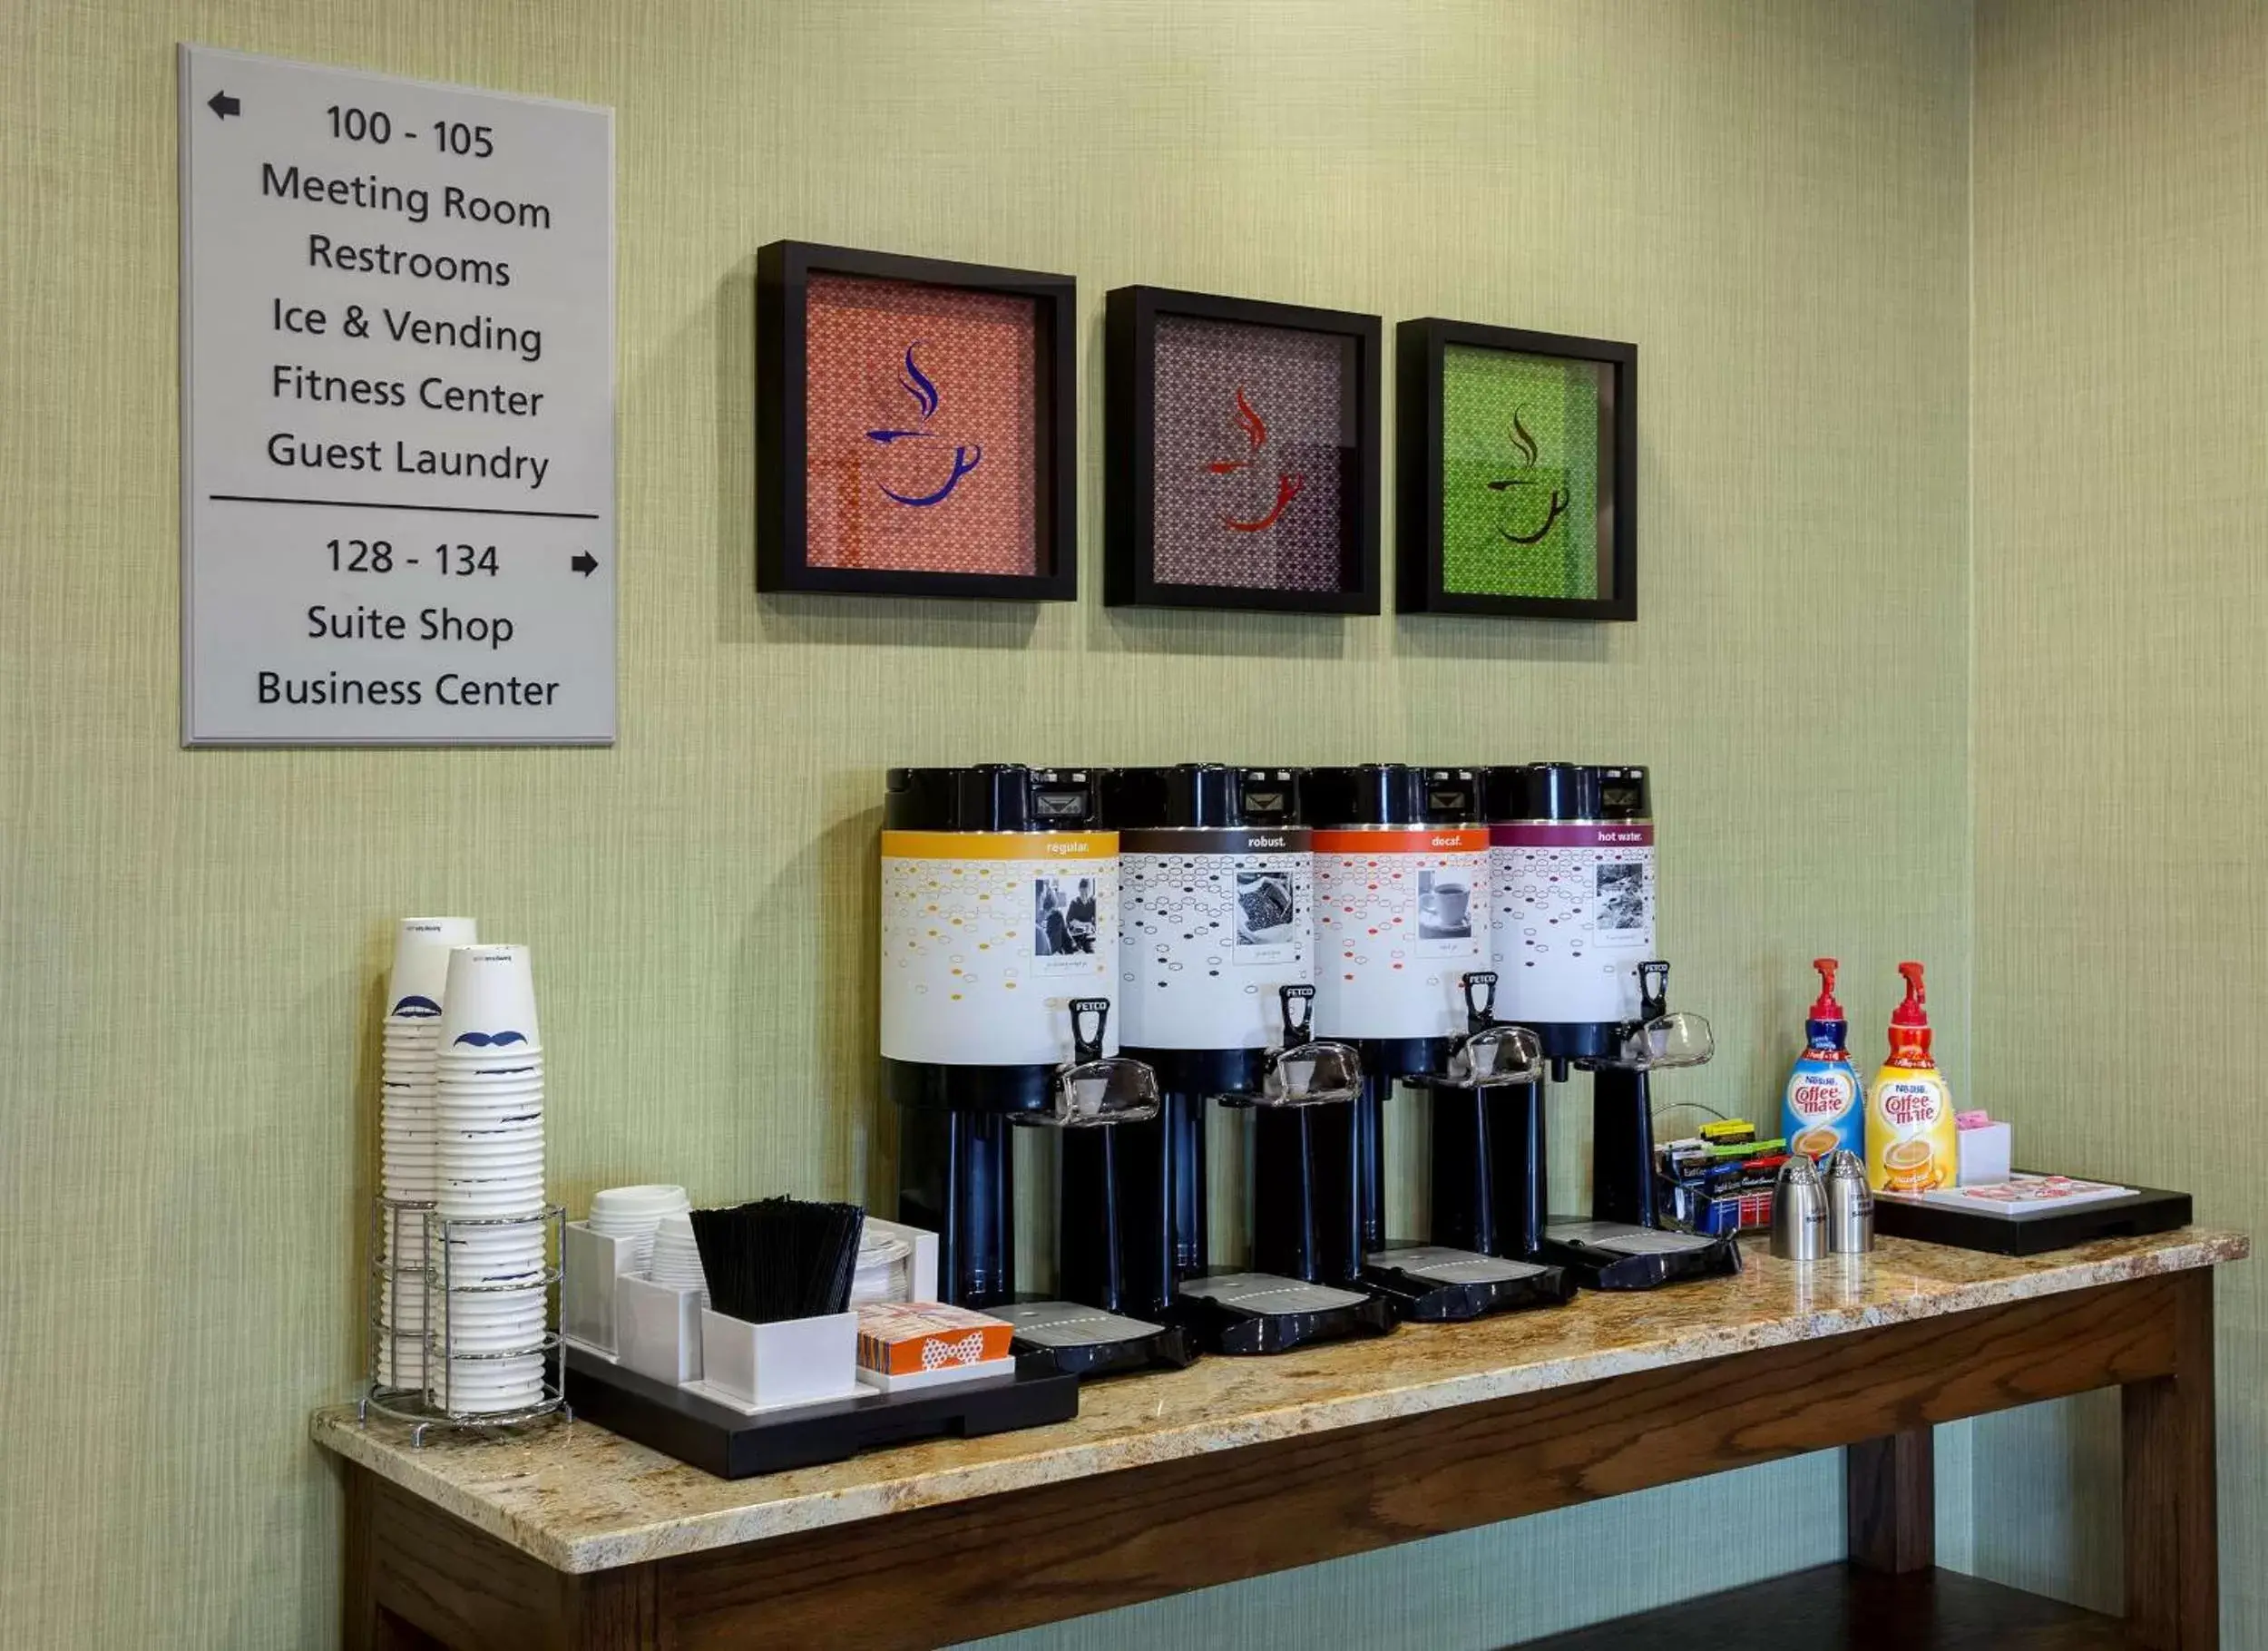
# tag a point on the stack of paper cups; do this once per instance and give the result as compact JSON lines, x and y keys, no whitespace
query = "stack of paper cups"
{"x":489,"y":1169}
{"x":412,"y":1035}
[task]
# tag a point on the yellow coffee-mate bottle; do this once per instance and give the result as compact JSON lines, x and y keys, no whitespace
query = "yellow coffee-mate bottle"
{"x":1912,"y":1144}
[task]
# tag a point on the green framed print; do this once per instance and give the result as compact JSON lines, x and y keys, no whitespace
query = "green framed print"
{"x":1518,"y":478}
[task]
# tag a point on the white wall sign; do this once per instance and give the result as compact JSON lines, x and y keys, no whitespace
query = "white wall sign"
{"x":397,"y":411}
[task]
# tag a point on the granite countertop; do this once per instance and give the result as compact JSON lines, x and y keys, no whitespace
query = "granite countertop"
{"x":581,"y":1498}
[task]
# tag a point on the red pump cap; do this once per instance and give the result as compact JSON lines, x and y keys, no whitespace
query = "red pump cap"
{"x":1912,"y":1012}
{"x":1825,"y":1007}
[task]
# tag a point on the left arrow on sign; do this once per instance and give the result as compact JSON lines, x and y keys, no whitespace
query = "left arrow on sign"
{"x":223,"y":105}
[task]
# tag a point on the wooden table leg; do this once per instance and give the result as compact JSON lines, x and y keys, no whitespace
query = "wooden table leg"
{"x":1890,"y":1502}
{"x":358,"y":1597}
{"x":2171,"y":1514}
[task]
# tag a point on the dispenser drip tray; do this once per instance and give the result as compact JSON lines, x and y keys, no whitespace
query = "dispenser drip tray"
{"x":1433,"y":1283}
{"x":1066,"y":1338}
{"x":1265,"y":1313}
{"x":1617,"y":1256}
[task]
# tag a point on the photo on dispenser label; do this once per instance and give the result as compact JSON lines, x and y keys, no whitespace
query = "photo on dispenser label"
{"x":1264,"y":908}
{"x":1063,"y":921}
{"x":1621,"y":897}
{"x":1444,"y":906}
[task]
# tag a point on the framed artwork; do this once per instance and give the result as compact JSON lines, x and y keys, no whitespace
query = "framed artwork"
{"x":915,"y":426}
{"x":1242,"y":454}
{"x":1517,"y":485}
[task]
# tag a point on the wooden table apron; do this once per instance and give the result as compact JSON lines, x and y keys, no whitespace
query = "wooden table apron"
{"x":417,"y":1575}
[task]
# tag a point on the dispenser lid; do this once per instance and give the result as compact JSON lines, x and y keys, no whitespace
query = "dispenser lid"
{"x":1825,"y":1007}
{"x":1208,"y":795}
{"x":1914,"y":1010}
{"x":1453,"y":796}
{"x":1565,"y":792}
{"x":989,"y":797}
{"x":1367,"y":794}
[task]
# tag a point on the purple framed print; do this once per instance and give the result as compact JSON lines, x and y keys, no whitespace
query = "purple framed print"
{"x":1242,"y":454}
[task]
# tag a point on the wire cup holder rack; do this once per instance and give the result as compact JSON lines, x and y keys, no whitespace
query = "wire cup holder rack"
{"x":413,"y":1228}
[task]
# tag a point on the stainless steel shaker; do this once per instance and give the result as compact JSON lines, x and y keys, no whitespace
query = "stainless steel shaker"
{"x":1849,"y":1204}
{"x":1799,"y":1211}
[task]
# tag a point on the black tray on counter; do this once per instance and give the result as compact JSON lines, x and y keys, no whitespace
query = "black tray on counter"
{"x":732,"y":1444}
{"x":2150,"y":1210}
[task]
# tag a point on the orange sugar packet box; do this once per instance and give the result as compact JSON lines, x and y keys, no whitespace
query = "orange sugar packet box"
{"x":902,"y":1338}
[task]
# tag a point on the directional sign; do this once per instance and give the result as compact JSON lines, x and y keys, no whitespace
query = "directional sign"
{"x":397,"y":411}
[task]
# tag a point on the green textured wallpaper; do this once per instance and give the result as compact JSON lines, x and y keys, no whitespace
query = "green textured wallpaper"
{"x":1769,"y":196}
{"x":2121,"y":702}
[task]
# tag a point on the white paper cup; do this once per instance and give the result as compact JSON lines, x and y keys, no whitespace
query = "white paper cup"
{"x":473,"y":1086}
{"x":517,"y":1194}
{"x":478,"y":1402}
{"x":488,"y":1199}
{"x":501,"y":1309}
{"x":647,"y":1204}
{"x":467,"y":1062}
{"x":464,"y":1270}
{"x":507,"y":1238}
{"x":515,"y":1341}
{"x":514,"y":1309}
{"x":490,"y":1003}
{"x":421,"y":963}
{"x":459,"y":1202}
{"x":451,"y":1133}
{"x":466,"y":1156}
{"x":468,"y":1114}
{"x":499,"y":1269}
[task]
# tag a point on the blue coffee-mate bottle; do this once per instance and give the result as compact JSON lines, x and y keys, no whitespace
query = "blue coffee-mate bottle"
{"x":1824,"y":1107}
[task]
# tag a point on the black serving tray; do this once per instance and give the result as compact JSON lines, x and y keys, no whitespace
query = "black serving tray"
{"x":1169,"y":1347}
{"x":1599,"y":1266}
{"x":1240,"y":1331}
{"x":732,"y":1444}
{"x":1424,"y":1300}
{"x":2150,"y":1210}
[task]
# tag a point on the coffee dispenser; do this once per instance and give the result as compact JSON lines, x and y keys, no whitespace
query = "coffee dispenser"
{"x":999,"y":911}
{"x":1303,"y":1284}
{"x":1487,"y":1175}
{"x":999,"y":949}
{"x":1216,"y":888}
{"x":1403,"y":907}
{"x":1218,"y":960}
{"x":1572,"y":927}
{"x":1572,"y":901}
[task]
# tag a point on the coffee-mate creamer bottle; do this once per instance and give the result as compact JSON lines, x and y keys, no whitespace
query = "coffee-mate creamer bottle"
{"x":1824,"y":1108}
{"x":1912,"y":1144}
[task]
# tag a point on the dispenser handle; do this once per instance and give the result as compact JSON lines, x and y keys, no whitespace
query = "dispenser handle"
{"x":1084,"y":1047}
{"x":1299,"y":1013}
{"x":1653,"y":990}
{"x":1480,"y":1013}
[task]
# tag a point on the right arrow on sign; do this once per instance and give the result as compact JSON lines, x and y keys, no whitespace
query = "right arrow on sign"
{"x":584,"y":563}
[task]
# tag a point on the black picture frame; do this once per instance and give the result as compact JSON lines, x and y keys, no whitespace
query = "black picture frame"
{"x":1131,"y":315}
{"x":1418,"y":571}
{"x":784,"y":269}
